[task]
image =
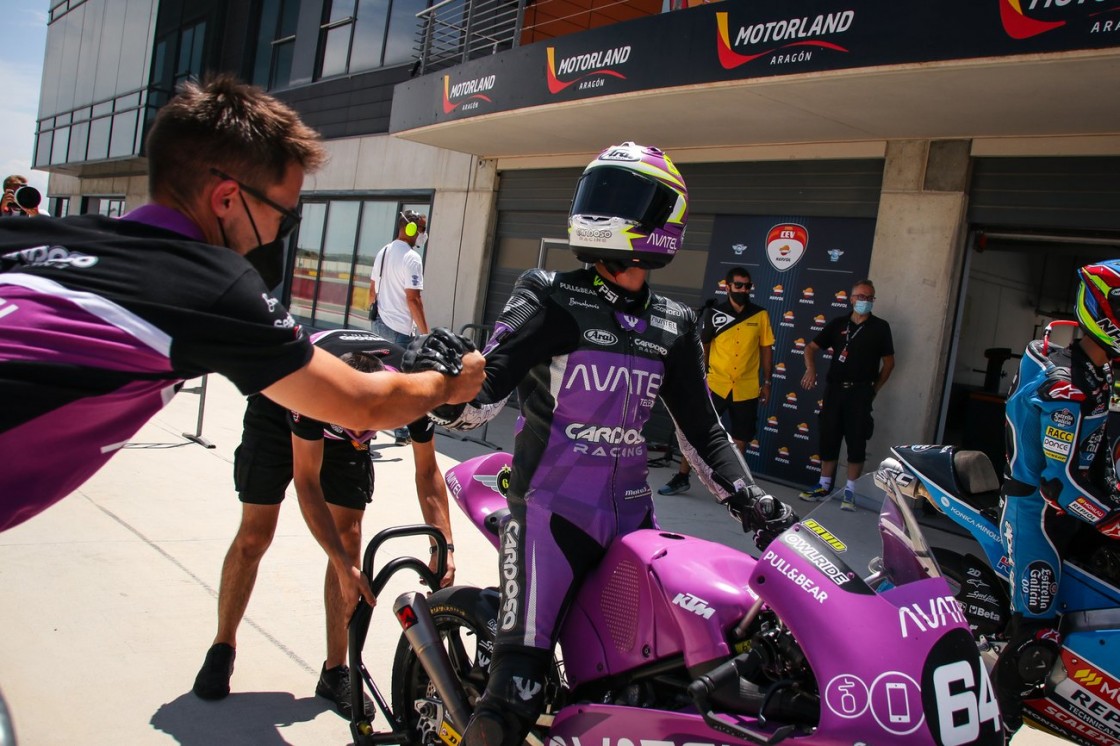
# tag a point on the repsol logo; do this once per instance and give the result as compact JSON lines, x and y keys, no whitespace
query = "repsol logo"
{"x":609,"y":435}
{"x":51,"y":256}
{"x":511,"y":589}
{"x":581,"y":63}
{"x":471,"y":87}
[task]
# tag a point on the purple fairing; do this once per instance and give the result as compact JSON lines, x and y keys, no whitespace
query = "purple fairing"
{"x":910,"y":675}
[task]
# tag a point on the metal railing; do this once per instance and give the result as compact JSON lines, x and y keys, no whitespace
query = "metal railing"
{"x":452,"y":32}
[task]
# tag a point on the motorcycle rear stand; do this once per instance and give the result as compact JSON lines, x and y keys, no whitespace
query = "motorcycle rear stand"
{"x":361,"y":727}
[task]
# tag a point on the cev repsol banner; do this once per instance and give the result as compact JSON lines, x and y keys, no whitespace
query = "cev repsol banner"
{"x":740,"y":40}
{"x":803,"y":270}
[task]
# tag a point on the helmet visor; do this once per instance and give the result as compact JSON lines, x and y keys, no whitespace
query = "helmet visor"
{"x":621,"y":193}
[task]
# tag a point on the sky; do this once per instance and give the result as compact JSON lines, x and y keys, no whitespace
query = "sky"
{"x":23,"y":37}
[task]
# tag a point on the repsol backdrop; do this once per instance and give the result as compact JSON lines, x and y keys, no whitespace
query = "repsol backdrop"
{"x":730,"y":41}
{"x":803,"y":269}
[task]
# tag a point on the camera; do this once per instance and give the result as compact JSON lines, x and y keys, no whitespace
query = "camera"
{"x":23,"y":200}
{"x":28,"y":197}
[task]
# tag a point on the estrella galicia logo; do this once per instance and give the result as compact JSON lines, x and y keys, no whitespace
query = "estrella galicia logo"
{"x":1062,"y":417}
{"x":786,"y":244}
{"x":467,"y":94}
{"x":787,"y":41}
{"x":590,"y":69}
{"x":834,"y":255}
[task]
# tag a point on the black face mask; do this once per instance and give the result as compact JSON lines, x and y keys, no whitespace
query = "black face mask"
{"x":268,"y":260}
{"x":740,"y":299}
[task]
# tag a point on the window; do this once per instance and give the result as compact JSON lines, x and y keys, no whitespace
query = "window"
{"x":335,"y":251}
{"x":361,"y":35}
{"x":59,"y":206}
{"x":276,"y":43}
{"x":111,"y":207}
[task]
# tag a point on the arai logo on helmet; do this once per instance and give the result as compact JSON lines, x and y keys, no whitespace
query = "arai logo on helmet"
{"x":621,"y":154}
{"x":600,"y":337}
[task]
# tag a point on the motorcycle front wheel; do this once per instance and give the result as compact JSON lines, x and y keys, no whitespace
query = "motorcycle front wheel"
{"x":465,"y":618}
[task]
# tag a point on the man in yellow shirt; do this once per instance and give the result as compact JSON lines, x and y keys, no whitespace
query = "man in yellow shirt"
{"x":738,"y":345}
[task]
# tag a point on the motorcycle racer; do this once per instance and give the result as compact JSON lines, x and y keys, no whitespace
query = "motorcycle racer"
{"x":1058,"y":472}
{"x":589,"y":352}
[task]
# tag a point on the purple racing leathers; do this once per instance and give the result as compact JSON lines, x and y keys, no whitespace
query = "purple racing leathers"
{"x":100,"y":321}
{"x":589,"y":361}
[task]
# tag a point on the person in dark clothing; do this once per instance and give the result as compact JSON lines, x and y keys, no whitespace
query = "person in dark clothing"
{"x":1060,"y":475}
{"x":862,"y":361}
{"x":738,"y":347}
{"x":589,"y":352}
{"x":101,"y":320}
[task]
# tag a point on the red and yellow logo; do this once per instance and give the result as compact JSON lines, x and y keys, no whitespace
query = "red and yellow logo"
{"x":587,"y":67}
{"x":1019,"y":25}
{"x":773,"y":34}
{"x":466,"y":93}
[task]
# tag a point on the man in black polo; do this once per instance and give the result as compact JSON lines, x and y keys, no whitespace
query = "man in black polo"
{"x":862,"y":361}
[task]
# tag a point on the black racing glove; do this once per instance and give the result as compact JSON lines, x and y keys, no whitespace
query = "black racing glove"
{"x":441,"y":350}
{"x":765,"y":515}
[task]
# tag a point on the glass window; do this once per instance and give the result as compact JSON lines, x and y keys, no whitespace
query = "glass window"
{"x":369,"y":35}
{"x":61,"y":146}
{"x":59,"y":206}
{"x":43,"y":149}
{"x":340,"y":10}
{"x":79,"y":133}
{"x":337,"y":267}
{"x":336,"y":49}
{"x":400,"y":46}
{"x":309,"y":246}
{"x":262,"y":60}
{"x":122,"y":141}
{"x":378,"y":226}
{"x":98,"y":148}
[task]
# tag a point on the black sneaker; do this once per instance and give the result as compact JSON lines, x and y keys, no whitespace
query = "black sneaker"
{"x":675,"y":486}
{"x":212,"y":681}
{"x":334,"y":684}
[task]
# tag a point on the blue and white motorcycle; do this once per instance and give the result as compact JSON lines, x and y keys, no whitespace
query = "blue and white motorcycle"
{"x":1081,"y":700}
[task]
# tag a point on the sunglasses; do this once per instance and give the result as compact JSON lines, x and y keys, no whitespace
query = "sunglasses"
{"x":289,"y":219}
{"x":735,"y":285}
{"x":863,"y":297}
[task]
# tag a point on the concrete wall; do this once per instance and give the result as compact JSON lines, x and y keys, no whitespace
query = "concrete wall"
{"x":134,"y":189}
{"x":916,"y":266}
{"x":459,"y":243}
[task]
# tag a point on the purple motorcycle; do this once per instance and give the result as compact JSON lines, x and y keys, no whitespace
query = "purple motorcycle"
{"x":677,"y":640}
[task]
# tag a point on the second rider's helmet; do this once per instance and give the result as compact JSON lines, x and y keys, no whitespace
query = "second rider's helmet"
{"x":630,"y":207}
{"x":1098,"y":303}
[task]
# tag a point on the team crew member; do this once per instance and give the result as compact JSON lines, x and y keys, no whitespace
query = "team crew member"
{"x":862,"y":361}
{"x":334,"y":481}
{"x":101,"y":319}
{"x":1059,"y":476}
{"x":738,"y":345}
{"x":591,"y":350}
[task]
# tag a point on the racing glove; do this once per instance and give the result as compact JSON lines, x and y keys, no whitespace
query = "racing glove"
{"x":441,"y":350}
{"x":764,"y":514}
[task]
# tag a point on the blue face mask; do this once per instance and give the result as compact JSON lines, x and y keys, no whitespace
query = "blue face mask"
{"x":863,"y":307}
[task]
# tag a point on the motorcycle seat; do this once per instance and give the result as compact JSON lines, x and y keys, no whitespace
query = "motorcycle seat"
{"x":978,"y":480}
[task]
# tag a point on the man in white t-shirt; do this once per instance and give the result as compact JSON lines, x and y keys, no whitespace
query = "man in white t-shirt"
{"x":396,"y":281}
{"x":395,"y":284}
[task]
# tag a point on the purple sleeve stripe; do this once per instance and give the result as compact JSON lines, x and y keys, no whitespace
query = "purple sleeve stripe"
{"x":95,"y":305}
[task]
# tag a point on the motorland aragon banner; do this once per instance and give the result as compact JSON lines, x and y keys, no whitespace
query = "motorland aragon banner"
{"x":762,"y":38}
{"x":803,"y":270}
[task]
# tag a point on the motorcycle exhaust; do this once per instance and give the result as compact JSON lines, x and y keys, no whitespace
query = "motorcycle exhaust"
{"x":411,"y":610}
